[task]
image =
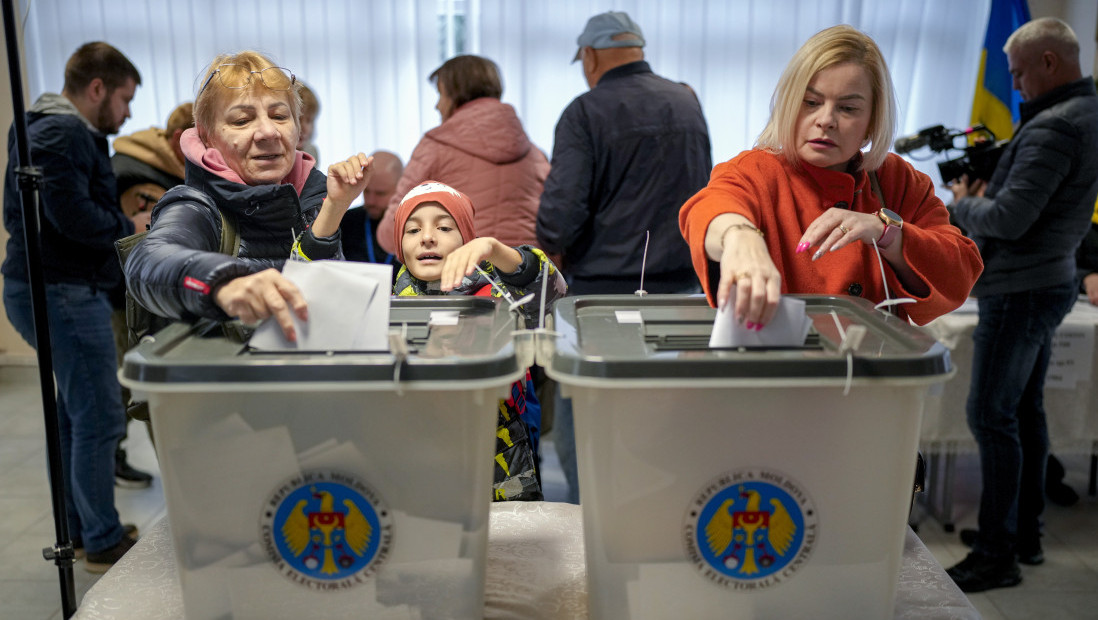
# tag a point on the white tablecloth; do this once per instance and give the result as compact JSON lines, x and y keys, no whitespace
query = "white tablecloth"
{"x":535,"y":549}
{"x":1071,"y":400}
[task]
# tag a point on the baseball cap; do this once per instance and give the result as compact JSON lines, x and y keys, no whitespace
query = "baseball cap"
{"x":603,"y":27}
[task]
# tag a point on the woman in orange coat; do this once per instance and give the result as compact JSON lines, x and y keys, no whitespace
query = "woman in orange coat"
{"x":807,"y":211}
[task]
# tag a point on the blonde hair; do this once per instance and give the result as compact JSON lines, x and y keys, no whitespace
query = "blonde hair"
{"x":213,"y":96}
{"x":827,"y":48}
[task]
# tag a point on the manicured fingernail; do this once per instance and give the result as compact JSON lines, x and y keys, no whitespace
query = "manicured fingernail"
{"x":802,"y":247}
{"x":817,"y":255}
{"x":750,"y":325}
{"x":758,"y":327}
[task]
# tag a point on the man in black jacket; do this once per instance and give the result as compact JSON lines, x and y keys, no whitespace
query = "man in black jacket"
{"x":1027,"y":221}
{"x":80,"y":220}
{"x":627,"y":154}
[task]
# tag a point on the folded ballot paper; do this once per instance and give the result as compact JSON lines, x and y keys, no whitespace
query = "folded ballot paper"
{"x":788,"y":328}
{"x":348,"y":308}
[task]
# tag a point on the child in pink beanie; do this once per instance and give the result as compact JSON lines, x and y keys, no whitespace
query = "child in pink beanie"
{"x":435,"y":239}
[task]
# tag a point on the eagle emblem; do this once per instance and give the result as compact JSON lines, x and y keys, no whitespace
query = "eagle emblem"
{"x":743,"y":528}
{"x":327,"y":528}
{"x":328,"y":537}
{"x":746,"y":535}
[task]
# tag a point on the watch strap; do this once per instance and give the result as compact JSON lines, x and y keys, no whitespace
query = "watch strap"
{"x":889,"y":236}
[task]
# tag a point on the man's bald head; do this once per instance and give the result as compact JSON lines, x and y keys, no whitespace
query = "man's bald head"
{"x":387,"y":171}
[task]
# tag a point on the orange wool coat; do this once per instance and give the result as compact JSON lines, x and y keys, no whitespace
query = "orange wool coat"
{"x":782,"y":199}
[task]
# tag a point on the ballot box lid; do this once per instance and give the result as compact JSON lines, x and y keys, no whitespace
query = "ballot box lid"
{"x":444,"y":339}
{"x":666,"y":337}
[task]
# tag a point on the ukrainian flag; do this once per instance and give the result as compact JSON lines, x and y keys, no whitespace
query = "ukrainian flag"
{"x":995,"y":104}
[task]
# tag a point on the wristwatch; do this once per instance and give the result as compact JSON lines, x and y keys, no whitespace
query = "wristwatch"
{"x":893,"y":223}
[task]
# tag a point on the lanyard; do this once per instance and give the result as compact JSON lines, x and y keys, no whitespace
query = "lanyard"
{"x":370,"y":256}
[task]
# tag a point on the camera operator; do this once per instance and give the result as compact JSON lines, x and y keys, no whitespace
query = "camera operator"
{"x":1027,"y":220}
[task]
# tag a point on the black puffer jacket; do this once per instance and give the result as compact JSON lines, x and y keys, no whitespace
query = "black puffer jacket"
{"x":1039,"y":201}
{"x":175,"y":270}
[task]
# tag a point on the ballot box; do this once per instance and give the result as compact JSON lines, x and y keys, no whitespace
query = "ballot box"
{"x":742,"y":483}
{"x":332,"y":484}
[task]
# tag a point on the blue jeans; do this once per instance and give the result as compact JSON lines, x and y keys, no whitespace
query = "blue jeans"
{"x":1012,"y":346}
{"x":89,"y":405}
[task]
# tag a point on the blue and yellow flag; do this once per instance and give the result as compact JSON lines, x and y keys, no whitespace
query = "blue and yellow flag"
{"x":995,"y":104}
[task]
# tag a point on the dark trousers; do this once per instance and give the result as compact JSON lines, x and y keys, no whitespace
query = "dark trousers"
{"x":1012,"y":346}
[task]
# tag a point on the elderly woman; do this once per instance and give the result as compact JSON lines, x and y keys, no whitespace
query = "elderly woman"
{"x":807,"y":211}
{"x":479,"y":149}
{"x":242,"y":163}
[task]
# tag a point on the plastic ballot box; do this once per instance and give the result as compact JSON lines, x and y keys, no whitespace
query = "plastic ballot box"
{"x":741,"y":483}
{"x":315,"y":484}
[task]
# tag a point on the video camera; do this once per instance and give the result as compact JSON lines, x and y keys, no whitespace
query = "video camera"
{"x":978,"y":160}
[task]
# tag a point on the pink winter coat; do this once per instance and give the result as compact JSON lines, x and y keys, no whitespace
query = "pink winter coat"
{"x":483,"y":152}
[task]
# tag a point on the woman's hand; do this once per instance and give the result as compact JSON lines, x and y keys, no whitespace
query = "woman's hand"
{"x":464,"y":260}
{"x":746,"y":264}
{"x":255,"y":297}
{"x":838,"y":228}
{"x":346,"y":180}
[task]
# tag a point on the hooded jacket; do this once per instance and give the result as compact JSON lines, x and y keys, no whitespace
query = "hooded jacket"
{"x":81,"y":218}
{"x":175,"y":270}
{"x":482,"y":151}
{"x":146,"y":157}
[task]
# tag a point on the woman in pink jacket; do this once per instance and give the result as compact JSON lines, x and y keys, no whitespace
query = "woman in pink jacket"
{"x":481,"y":150}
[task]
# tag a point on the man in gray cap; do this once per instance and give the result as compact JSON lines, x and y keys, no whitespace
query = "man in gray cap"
{"x":627,"y":154}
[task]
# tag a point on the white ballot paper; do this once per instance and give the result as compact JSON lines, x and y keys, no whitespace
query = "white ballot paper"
{"x":788,"y":328}
{"x":348,"y":308}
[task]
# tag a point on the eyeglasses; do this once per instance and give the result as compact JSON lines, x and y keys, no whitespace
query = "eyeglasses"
{"x":239,"y":76}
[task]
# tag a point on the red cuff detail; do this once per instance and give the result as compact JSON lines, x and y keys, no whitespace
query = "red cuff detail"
{"x":196,"y":285}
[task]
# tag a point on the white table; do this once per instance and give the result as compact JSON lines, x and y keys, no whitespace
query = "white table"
{"x":535,"y":548}
{"x":1071,"y":397}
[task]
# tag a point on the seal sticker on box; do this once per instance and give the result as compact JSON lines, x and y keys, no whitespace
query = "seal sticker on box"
{"x":750,"y":529}
{"x":326,"y":530}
